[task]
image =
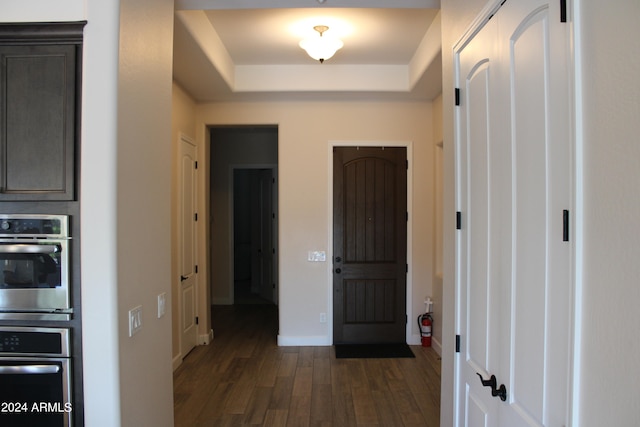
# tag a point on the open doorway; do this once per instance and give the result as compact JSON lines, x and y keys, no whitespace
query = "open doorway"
{"x":244,"y":220}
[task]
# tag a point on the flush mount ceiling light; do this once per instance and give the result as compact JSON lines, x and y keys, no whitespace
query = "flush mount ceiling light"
{"x":321,"y":47}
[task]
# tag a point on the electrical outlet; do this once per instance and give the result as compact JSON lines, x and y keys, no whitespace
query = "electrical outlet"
{"x":135,"y":320}
{"x":323,"y":317}
{"x":162,"y":303}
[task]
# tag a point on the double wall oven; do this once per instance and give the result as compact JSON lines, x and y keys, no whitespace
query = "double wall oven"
{"x":35,"y":310}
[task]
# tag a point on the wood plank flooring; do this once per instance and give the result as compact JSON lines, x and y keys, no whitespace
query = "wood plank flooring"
{"x":244,"y":379}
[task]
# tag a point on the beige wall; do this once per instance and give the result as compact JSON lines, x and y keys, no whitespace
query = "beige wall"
{"x":608,"y":374}
{"x":143,"y":209}
{"x":305,"y":130}
{"x":182,"y":124}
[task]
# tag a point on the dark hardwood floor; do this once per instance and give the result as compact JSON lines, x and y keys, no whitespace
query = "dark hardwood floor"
{"x":243,"y":378}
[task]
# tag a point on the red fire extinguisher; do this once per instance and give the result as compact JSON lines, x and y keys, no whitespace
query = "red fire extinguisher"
{"x":425,"y":321}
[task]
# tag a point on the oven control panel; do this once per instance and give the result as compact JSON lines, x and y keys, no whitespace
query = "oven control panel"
{"x":34,"y":341}
{"x":33,"y":225}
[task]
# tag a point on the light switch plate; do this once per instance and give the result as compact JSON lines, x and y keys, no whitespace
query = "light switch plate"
{"x":135,"y":320}
{"x":317,"y":256}
{"x":162,"y":304}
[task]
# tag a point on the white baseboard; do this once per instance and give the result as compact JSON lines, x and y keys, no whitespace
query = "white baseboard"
{"x":205,"y":339}
{"x":316,"y":341}
{"x":415,"y":340}
{"x":177,"y":361}
{"x":437,"y":346}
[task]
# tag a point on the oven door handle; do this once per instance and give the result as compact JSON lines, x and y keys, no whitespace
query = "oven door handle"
{"x":30,"y":249}
{"x":29,"y":369}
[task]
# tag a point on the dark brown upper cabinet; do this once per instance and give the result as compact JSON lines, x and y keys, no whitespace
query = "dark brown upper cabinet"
{"x":40,"y":76}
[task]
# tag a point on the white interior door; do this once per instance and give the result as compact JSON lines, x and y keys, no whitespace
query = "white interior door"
{"x":266,"y":234}
{"x":188,"y":259}
{"x":514,"y":193}
{"x":262,"y":245}
{"x":536,"y":370}
{"x":482,"y":181}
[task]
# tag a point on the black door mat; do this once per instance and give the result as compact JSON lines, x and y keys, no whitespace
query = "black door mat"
{"x":372,"y":351}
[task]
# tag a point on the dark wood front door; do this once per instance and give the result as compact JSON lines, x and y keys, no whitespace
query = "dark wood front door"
{"x":370,"y":244}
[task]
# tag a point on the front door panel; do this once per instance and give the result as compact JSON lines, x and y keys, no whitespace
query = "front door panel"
{"x":369,"y":244}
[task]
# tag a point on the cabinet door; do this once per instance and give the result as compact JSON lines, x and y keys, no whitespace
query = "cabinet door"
{"x":37,"y":91}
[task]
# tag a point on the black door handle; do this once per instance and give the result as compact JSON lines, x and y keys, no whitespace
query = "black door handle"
{"x":338,"y":259}
{"x":492,"y":382}
{"x":338,"y":270}
{"x":501,"y":392}
{"x":183,"y":278}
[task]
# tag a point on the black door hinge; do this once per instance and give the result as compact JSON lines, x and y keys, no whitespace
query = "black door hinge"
{"x":406,"y":268}
{"x":196,"y":269}
{"x":563,"y":10}
{"x":195,"y":165}
{"x":407,"y":164}
{"x":197,"y":320}
{"x":195,"y":216}
{"x":407,"y":216}
{"x":457,"y":343}
{"x":458,"y":220}
{"x":457,"y":90}
{"x":565,"y":225}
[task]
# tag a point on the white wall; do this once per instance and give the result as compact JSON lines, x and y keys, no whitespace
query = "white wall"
{"x":304,"y":132}
{"x":98,"y":203}
{"x":609,"y":373}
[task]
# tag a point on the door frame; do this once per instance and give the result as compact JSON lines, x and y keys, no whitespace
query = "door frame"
{"x":413,"y":339}
{"x":273,"y":167}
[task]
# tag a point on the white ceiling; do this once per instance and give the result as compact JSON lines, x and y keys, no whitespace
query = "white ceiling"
{"x":248,"y":49}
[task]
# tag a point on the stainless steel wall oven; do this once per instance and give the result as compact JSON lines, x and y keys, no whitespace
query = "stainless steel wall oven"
{"x":35,"y":377}
{"x":34,"y":267}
